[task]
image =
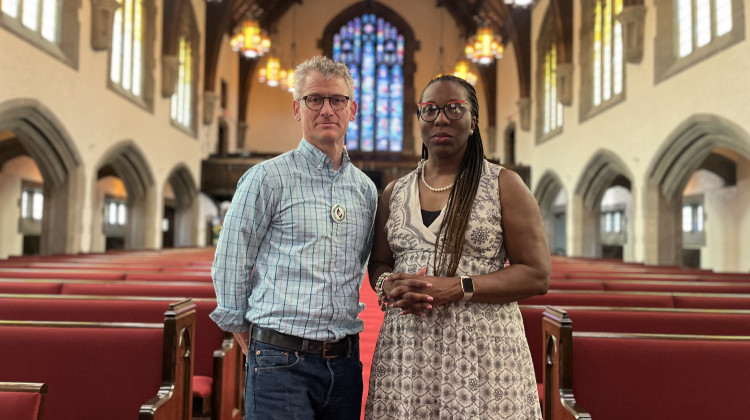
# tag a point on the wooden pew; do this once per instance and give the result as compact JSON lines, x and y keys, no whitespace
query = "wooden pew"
{"x":618,"y":376}
{"x":218,"y":365}
{"x":634,"y":320}
{"x":174,"y":289}
{"x":641,"y":299}
{"x":22,"y":400}
{"x":652,"y":286}
{"x":106,"y":370}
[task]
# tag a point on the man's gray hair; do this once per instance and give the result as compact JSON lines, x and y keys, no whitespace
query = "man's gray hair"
{"x":325,"y":66}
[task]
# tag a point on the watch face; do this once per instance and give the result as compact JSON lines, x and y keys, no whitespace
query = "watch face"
{"x":467,"y":284}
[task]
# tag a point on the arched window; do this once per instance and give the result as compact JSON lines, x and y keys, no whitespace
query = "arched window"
{"x":131,"y":58}
{"x":701,"y":21}
{"x":602,"y":56}
{"x":374,"y":52}
{"x":550,"y":109}
{"x":51,"y":25}
{"x":42,"y":17}
{"x":688,"y":31}
{"x":183,"y":105}
{"x":607,"y":51}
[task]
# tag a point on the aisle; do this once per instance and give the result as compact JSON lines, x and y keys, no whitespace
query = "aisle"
{"x":373,"y":318}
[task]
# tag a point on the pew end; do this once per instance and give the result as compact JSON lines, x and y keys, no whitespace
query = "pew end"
{"x":621,"y":376}
{"x":22,"y":400}
{"x":559,"y":402}
{"x":177,"y":366}
{"x":229,"y":381}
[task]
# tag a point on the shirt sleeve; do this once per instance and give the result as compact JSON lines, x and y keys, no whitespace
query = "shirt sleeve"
{"x":373,"y":204}
{"x":245,"y":225}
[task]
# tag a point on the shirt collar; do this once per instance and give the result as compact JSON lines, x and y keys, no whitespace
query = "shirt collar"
{"x":317,"y":157}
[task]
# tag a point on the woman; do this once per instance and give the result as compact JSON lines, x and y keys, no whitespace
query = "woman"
{"x":452,"y":344}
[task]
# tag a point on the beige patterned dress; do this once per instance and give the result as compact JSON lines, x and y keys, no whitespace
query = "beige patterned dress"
{"x":465,"y":360}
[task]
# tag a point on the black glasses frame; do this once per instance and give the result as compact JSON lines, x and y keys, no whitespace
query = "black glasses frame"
{"x":323,"y":102}
{"x":443,"y":108}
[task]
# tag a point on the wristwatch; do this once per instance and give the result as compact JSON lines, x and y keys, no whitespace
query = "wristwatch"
{"x":467,"y":285}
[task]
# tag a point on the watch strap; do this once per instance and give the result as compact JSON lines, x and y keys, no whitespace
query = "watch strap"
{"x":468,"y":291}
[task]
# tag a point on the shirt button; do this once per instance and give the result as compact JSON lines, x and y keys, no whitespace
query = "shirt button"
{"x":334,"y":269}
{"x":335,"y":239}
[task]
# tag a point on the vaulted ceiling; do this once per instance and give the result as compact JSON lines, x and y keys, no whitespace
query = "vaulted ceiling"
{"x":512,"y":23}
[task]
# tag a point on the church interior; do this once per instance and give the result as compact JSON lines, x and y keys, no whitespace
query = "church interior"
{"x":126,"y":124}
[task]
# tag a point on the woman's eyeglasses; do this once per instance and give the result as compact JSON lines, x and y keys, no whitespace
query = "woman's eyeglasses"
{"x":453,"y":110}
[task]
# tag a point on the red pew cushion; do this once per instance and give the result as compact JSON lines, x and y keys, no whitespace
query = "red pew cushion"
{"x":202,"y":386}
{"x":19,"y":405}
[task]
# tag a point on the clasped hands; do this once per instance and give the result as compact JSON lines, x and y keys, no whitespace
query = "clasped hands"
{"x":417,"y":294}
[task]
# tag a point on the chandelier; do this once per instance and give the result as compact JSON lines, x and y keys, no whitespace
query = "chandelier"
{"x":250,"y":40}
{"x":484,"y":47}
{"x":519,"y":3}
{"x":462,"y":70}
{"x":271,"y":73}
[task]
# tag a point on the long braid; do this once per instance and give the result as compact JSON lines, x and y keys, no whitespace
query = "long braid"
{"x":451,"y":234}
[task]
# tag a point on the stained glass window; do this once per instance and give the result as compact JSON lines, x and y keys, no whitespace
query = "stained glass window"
{"x":374,"y":51}
{"x":127,"y":46}
{"x":608,"y":53}
{"x":553,"y":112}
{"x":182,"y":99}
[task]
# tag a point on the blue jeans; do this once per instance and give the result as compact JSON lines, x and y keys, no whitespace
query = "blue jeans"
{"x":284,"y":384}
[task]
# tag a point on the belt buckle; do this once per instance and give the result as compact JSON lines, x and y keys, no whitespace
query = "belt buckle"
{"x":325,"y":351}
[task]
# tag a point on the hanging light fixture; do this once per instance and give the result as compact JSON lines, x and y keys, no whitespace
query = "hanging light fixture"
{"x":462,"y":70}
{"x":484,"y":47}
{"x":519,"y":3}
{"x":287,"y":76}
{"x":250,"y":41}
{"x":439,"y":70}
{"x":273,"y":70}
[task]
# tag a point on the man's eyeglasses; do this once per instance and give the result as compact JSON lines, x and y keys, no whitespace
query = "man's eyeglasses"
{"x":316,"y":102}
{"x":429,"y":111}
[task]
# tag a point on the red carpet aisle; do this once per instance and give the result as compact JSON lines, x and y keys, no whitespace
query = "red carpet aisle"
{"x":373,"y":318}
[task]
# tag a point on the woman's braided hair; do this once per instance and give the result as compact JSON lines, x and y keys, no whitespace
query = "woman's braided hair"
{"x":450,"y":237}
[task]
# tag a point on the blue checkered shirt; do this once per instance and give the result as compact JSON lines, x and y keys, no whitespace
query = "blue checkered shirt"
{"x":282,"y":262}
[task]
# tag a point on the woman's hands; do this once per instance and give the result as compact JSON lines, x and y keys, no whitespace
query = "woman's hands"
{"x":417,"y":294}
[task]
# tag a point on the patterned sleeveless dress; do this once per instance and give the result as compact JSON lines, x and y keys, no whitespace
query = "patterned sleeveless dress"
{"x":465,"y":360}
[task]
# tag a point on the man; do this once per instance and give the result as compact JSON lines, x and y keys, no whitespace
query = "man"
{"x":291,"y":257}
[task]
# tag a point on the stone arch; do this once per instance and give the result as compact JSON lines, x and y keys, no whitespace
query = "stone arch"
{"x":604,"y":170}
{"x":546,"y":192}
{"x":187,"y":208}
{"x":44,"y":138}
{"x":685,"y":150}
{"x":688,"y":146}
{"x":126,"y":161}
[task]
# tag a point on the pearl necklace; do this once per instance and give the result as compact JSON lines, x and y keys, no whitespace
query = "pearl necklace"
{"x":430,"y":187}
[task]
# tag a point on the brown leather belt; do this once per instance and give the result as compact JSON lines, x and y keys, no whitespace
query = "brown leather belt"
{"x":327,"y":349}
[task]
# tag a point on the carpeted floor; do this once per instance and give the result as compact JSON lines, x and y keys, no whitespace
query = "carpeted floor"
{"x":373,"y":318}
